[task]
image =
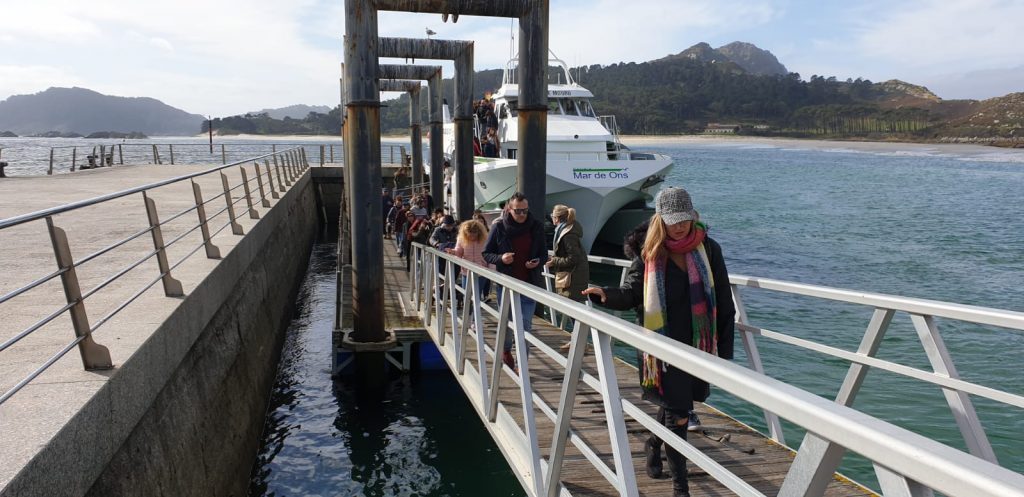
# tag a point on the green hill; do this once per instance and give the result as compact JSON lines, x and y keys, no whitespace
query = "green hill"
{"x":737,"y":84}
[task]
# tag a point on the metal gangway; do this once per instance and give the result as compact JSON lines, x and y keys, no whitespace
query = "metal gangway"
{"x":514,"y":405}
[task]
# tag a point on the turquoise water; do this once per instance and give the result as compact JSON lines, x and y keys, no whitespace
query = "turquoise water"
{"x":944,"y":223}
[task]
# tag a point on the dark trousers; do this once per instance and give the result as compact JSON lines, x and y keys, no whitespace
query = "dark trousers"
{"x":676,"y":422}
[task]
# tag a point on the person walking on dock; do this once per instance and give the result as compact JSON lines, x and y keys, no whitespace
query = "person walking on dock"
{"x":386,"y":204}
{"x":470,"y":246}
{"x":569,"y":262}
{"x":516,"y":247}
{"x":680,"y":285}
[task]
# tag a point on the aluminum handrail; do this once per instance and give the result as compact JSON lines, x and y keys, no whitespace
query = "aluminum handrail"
{"x":907,"y":463}
{"x":95,"y":356}
{"x":922,"y":313}
{"x":52,"y":211}
{"x":962,"y":312}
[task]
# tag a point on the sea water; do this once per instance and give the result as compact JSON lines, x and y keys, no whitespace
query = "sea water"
{"x":926,"y":221}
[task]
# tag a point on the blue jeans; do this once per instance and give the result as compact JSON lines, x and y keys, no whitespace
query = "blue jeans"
{"x":528,"y":307}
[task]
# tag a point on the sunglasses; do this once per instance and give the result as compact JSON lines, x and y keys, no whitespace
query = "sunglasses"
{"x":520,"y":211}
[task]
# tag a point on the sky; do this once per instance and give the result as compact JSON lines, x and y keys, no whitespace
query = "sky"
{"x":227,"y":57}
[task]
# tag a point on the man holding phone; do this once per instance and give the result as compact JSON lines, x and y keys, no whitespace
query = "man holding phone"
{"x":516,"y":247}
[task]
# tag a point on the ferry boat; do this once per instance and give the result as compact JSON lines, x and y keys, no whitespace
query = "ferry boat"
{"x":588,"y":167}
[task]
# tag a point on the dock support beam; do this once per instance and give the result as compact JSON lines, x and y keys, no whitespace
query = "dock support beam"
{"x":362,"y":158}
{"x":415,"y":135}
{"x":533,"y":97}
{"x":432,"y":74}
{"x":461,"y":52}
{"x":533,"y":104}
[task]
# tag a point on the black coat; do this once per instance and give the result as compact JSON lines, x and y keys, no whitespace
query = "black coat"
{"x":499,"y":242}
{"x":680,"y":389}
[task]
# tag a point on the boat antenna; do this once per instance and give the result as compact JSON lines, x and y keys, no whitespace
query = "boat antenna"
{"x":512,"y":35}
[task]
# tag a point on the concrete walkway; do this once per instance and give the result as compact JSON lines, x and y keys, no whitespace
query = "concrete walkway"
{"x":33,"y":416}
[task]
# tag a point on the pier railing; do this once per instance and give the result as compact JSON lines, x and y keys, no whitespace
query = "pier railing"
{"x":256,"y":186}
{"x":906,"y":463}
{"x":38,"y":160}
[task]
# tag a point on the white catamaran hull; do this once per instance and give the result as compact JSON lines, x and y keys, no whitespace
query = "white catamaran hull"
{"x":597,"y":190}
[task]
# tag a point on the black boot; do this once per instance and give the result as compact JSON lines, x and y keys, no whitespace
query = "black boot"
{"x":677,"y":465}
{"x":652,"y":449}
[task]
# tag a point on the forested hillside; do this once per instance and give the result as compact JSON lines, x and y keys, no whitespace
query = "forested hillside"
{"x":683,"y":93}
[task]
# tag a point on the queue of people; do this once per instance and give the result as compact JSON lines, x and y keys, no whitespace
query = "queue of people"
{"x":677,"y":283}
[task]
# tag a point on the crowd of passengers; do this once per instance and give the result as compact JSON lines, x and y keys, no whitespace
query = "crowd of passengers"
{"x":677,"y":284}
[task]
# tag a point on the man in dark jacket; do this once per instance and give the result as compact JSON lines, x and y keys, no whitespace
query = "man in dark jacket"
{"x":516,"y":247}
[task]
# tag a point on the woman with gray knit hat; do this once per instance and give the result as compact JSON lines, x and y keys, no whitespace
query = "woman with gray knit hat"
{"x":679,"y":285}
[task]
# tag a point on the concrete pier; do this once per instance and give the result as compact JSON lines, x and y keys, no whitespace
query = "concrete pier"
{"x":181,"y":412}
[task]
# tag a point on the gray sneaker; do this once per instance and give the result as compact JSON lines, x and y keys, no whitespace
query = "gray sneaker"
{"x":694,"y":422}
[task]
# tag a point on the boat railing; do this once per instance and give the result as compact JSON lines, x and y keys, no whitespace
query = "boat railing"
{"x":252,"y":185}
{"x":613,"y":155}
{"x":612,"y":126}
{"x":905,"y":462}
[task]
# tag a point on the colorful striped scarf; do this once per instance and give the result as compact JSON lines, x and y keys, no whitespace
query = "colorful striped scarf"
{"x":703,"y":309}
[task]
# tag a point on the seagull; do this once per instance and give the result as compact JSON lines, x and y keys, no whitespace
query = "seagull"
{"x":430,"y":33}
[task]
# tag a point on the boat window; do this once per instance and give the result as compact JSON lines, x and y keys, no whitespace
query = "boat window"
{"x":585,"y":108}
{"x":570,"y":106}
{"x":553,"y":107}
{"x":502,"y":111}
{"x":512,"y":108}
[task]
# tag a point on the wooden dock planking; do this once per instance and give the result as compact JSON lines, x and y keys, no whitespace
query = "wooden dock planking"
{"x":765,"y":469}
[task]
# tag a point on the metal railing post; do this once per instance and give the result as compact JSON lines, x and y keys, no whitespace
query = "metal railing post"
{"x":526,"y":391}
{"x":332,"y":153}
{"x":505,"y":299}
{"x":94,"y":355}
{"x":259,"y":181}
{"x":478,"y":325}
{"x":120,"y":154}
{"x":754,"y":361}
{"x":566,"y":401}
{"x":223,"y":155}
{"x":103,"y":156}
{"x":50,"y":170}
{"x":428,"y":287}
{"x":170,"y":148}
{"x":959,"y":402}
{"x":248,"y":195}
{"x":321,"y":156}
{"x":235,"y":227}
{"x":270,"y":180}
{"x":287,"y":166}
{"x":817,"y":459}
{"x":280,"y":180}
{"x":617,"y":434}
{"x":172,"y":287}
{"x":74,"y":158}
{"x":212,"y":251}
{"x":156,"y":158}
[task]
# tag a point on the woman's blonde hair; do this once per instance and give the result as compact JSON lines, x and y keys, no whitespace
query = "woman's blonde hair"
{"x":566,"y":212}
{"x":654,"y":244}
{"x":472,"y":232}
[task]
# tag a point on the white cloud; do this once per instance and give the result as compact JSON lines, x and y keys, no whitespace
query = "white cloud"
{"x":15,"y":80}
{"x":52,"y":21}
{"x":934,"y":34}
{"x":161,"y":44}
{"x":597,"y":31}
